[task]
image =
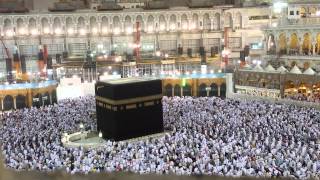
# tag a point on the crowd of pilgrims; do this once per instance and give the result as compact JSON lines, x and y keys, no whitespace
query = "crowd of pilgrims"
{"x":207,"y":136}
{"x":311,"y":97}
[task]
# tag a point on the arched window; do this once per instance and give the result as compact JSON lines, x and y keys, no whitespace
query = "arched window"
{"x":45,"y":25}
{"x":104,"y":25}
{"x":70,"y":25}
{"x":238,"y":20}
{"x":57,"y":27}
{"x":116,"y":25}
{"x":184,"y":22}
{"x":21,"y":27}
{"x":228,"y":20}
{"x":173,"y":22}
{"x":94,"y":25}
{"x":150,"y":24}
{"x":206,"y":22}
{"x":162,"y":23}
{"x":81,"y":26}
{"x":195,"y":21}
{"x":128,"y":25}
{"x":141,"y":22}
{"x":216,"y":22}
{"x":32,"y":26}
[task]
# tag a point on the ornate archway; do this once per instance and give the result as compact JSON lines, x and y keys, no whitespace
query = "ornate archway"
{"x":187,"y":90}
{"x":8,"y":103}
{"x":223,"y":89}
{"x":37,"y":100}
{"x":214,"y":90}
{"x":168,"y":90}
{"x":294,"y":44}
{"x":307,"y":45}
{"x":46,"y":99}
{"x":283,"y":43}
{"x":177,"y":90}
{"x":21,"y":102}
{"x":289,"y":88}
{"x":318,"y":44}
{"x":271,"y":47}
{"x":202,"y":90}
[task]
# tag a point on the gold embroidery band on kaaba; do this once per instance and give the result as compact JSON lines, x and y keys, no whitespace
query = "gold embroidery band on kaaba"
{"x":129,"y":100}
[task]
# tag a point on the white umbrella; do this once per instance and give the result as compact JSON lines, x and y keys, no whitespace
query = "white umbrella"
{"x":282,"y":69}
{"x":309,"y":71}
{"x":295,"y":70}
{"x":269,"y":68}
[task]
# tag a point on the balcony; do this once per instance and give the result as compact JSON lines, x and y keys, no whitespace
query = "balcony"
{"x":304,"y":21}
{"x":293,"y":57}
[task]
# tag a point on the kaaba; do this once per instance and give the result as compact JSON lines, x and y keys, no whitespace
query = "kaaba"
{"x":129,"y":108}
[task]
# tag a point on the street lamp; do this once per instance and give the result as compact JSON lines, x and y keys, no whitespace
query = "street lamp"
{"x":104,"y":30}
{"x":34,"y":32}
{"x":162,"y":27}
{"x":83,"y":32}
{"x":70,"y":31}
{"x":94,"y":30}
{"x":9,"y":33}
{"x":57,"y":31}
{"x":46,"y":30}
{"x":22,"y":31}
{"x":158,"y":53}
{"x":100,"y":136}
{"x":129,"y":30}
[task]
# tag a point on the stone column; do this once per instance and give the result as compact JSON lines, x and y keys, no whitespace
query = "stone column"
{"x":122,"y":28}
{"x":2,"y":98}
{"x":314,"y":48}
{"x":195,"y":87}
{"x":288,"y":46}
{"x":29,"y":98}
{"x":219,"y":93}
{"x":172,"y":91}
{"x":181,"y":91}
{"x":276,"y":40}
{"x":211,"y":28}
{"x":168,"y":24}
{"x":15,"y":102}
{"x":300,"y":48}
{"x":208,"y":92}
{"x":50,"y":96}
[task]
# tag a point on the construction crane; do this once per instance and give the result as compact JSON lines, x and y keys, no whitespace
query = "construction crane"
{"x":5,"y":49}
{"x":8,"y":62}
{"x":137,"y":42}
